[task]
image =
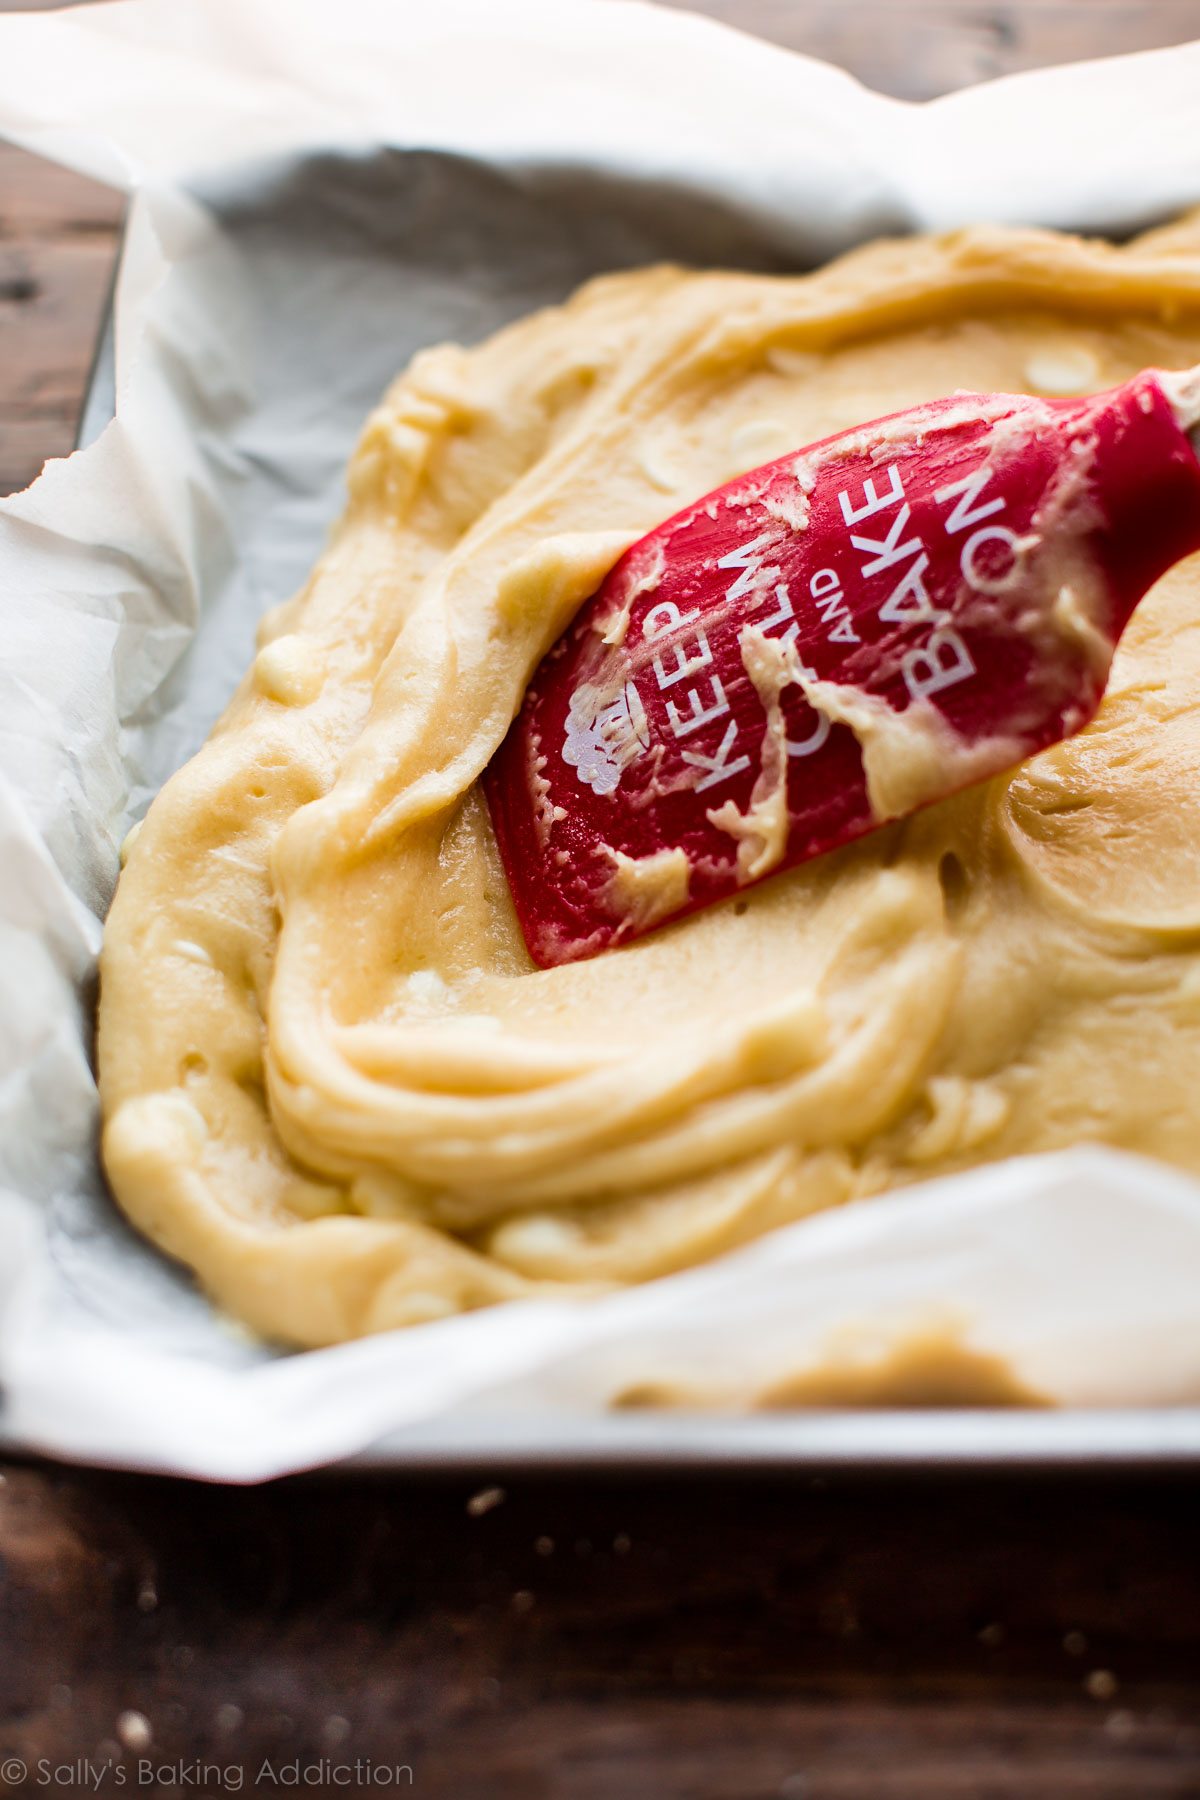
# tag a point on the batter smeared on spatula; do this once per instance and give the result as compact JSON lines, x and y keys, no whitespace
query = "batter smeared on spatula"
{"x":831,"y":641}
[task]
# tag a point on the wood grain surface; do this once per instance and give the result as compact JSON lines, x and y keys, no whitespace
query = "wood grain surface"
{"x":723,"y":1639}
{"x":726,"y":1638}
{"x":918,"y":48}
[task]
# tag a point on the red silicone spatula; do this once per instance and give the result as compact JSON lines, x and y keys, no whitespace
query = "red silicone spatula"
{"x":831,"y":640}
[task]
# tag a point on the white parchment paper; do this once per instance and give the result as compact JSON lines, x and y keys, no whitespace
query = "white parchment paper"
{"x":317,"y":191}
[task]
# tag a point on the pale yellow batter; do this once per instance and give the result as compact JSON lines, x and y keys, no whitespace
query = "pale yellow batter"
{"x":333,"y":1082}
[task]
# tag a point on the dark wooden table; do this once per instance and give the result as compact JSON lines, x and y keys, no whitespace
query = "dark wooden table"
{"x":1036,"y":1638}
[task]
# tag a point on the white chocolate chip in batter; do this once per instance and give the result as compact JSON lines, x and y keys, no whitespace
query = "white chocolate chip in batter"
{"x":536,"y":1242}
{"x":289,"y":670}
{"x":193,"y":952}
{"x":426,"y":986}
{"x":1062,"y":369}
{"x":155,"y":1123}
{"x":418,"y":1307}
